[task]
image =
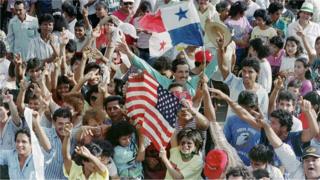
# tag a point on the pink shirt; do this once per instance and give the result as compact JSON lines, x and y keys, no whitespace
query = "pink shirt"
{"x":305,"y":87}
{"x":276,"y":60}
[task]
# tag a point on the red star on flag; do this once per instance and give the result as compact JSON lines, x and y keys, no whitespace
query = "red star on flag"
{"x":162,"y":45}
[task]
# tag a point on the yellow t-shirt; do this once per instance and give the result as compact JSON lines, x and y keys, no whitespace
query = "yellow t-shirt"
{"x":264,"y":35}
{"x":190,"y":170}
{"x":77,"y":174}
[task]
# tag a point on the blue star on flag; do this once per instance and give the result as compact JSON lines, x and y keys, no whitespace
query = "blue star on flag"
{"x":182,"y":14}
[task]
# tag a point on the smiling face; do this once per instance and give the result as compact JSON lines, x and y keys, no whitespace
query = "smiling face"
{"x":291,"y":48}
{"x":182,"y":73}
{"x":23,"y":144}
{"x":311,"y":166}
{"x":60,"y":123}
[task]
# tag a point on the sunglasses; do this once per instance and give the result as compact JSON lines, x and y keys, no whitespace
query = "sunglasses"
{"x":127,"y":3}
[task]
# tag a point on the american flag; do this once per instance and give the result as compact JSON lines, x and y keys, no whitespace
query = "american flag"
{"x":152,"y":106}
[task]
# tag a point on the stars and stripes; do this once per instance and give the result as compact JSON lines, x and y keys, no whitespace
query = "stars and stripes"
{"x":152,"y":106}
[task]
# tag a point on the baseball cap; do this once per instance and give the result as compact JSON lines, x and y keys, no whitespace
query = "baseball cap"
{"x":215,"y":165}
{"x":128,"y":1}
{"x":311,"y":151}
{"x":200,"y":55}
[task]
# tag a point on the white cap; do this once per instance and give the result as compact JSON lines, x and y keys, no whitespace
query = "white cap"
{"x":128,"y":29}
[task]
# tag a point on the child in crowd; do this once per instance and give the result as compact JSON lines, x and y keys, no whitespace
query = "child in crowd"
{"x":127,"y":154}
{"x":294,"y":50}
{"x":303,"y":74}
{"x":276,"y":54}
{"x":262,"y":30}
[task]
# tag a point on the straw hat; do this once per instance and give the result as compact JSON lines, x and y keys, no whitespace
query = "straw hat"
{"x":212,"y":29}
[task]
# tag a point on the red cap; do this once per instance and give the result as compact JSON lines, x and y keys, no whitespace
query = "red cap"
{"x":216,"y":162}
{"x":200,"y":58}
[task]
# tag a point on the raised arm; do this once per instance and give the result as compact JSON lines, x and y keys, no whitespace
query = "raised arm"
{"x":100,"y":167}
{"x":311,"y":52}
{"x":42,"y":137}
{"x":313,"y":130}
{"x":239,"y":110}
{"x":175,"y":173}
{"x":222,"y":64}
{"x":13,"y":109}
{"x":21,"y":95}
{"x":273,"y":138}
{"x":278,"y":85}
{"x":67,"y":161}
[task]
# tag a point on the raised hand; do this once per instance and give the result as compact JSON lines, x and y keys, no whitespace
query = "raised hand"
{"x":85,"y":12}
{"x":216,"y":93}
{"x":7,"y":97}
{"x":96,"y":32}
{"x":17,"y":60}
{"x":64,"y":39}
{"x":96,"y":54}
{"x":67,"y":129}
{"x":220,"y":40}
{"x":278,"y":83}
{"x":35,"y":118}
{"x":83,"y":151}
{"x":305,"y":105}
{"x":92,"y":75}
{"x":24,"y":84}
{"x":163,"y":153}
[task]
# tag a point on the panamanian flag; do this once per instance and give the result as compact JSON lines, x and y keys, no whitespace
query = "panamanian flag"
{"x":172,"y":25}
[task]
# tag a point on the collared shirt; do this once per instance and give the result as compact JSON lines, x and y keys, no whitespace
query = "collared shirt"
{"x":311,"y":31}
{"x":236,"y":85}
{"x":21,"y":33}
{"x":191,"y":84}
{"x":7,"y":135}
{"x":10,"y":158}
{"x":40,"y":49}
{"x":54,"y":169}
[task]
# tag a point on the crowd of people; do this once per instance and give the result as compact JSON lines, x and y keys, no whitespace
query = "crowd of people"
{"x":64,"y":70}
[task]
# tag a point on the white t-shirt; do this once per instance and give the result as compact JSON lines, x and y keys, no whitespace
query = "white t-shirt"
{"x":287,"y":63}
{"x":264,"y":35}
{"x":312,"y":31}
{"x":236,"y":86}
{"x":265,"y":75}
{"x":4,"y":68}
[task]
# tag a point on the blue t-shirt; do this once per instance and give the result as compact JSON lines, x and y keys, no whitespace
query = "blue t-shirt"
{"x":241,"y":136}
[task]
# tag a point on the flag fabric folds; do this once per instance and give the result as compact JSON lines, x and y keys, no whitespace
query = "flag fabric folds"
{"x":152,"y":106}
{"x":180,"y":22}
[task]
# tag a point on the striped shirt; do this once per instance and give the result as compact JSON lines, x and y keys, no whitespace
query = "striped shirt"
{"x":40,"y":49}
{"x":54,"y":169}
{"x":7,"y":135}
